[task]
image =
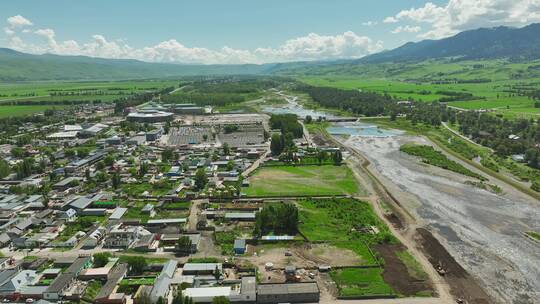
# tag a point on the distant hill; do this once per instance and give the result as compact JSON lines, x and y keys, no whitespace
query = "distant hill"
{"x":17,"y":66}
{"x":484,"y":43}
{"x":521,"y":44}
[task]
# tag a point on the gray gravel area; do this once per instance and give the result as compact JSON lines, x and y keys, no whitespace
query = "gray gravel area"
{"x":482,"y":230}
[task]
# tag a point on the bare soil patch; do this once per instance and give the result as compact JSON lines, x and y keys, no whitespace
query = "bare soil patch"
{"x":396,"y":273}
{"x":462,"y":284}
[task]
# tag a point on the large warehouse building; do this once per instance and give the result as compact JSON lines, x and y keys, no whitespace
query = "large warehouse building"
{"x":150,"y":116}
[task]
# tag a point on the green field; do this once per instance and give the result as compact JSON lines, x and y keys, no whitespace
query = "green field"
{"x":302,"y":180}
{"x":104,"y":91}
{"x":421,"y":81}
{"x":13,"y":111}
{"x":353,"y":282}
{"x":332,"y":220}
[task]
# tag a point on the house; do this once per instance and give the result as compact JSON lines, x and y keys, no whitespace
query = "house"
{"x":81,"y":203}
{"x":117,"y":214}
{"x":11,"y":286}
{"x":108,"y":293}
{"x":307,"y":292}
{"x":85,"y":162}
{"x":201,"y":268}
{"x":148,"y":209}
{"x":207,"y":294}
{"x":66,"y":183}
{"x":69,"y":215}
{"x":162,"y":285}
{"x":175,"y":171}
{"x":240,"y":216}
{"x":154,"y":134}
{"x":57,"y":290}
{"x":146,"y":243}
{"x":124,"y":237}
{"x":239,"y":246}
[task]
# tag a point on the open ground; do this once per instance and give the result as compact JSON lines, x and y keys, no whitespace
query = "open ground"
{"x":474,"y":225}
{"x":303,"y":181}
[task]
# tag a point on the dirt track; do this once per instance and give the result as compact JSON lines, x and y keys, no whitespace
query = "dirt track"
{"x":483,"y":231}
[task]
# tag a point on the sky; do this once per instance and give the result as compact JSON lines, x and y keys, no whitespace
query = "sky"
{"x":244,"y":31}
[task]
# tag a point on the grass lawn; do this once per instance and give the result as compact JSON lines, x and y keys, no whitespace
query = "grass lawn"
{"x":360,"y":282}
{"x":302,"y":180}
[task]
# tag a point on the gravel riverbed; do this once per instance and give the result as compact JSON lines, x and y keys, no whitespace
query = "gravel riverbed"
{"x":483,"y":231}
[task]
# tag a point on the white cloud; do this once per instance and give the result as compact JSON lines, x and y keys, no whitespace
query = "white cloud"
{"x":9,"y":31}
{"x":460,"y":15}
{"x":314,"y":46}
{"x":406,"y":29}
{"x":18,"y":21}
{"x":370,"y":23}
{"x":390,"y":20}
{"x":310,"y":47}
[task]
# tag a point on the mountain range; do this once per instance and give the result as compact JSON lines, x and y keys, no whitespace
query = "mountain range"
{"x":519,"y":44}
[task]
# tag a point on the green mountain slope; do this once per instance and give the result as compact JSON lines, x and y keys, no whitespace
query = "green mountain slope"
{"x":17,"y":66}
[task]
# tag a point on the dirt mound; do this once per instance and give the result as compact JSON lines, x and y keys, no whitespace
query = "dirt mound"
{"x":396,"y":273}
{"x":462,"y":284}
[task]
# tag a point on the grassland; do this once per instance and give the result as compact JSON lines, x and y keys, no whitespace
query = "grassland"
{"x":436,"y":158}
{"x":427,"y":81}
{"x":343,"y":223}
{"x":25,"y":98}
{"x":354,"y":282}
{"x":22,"y":110}
{"x":331,"y":220}
{"x":302,"y":181}
{"x":105,"y":91}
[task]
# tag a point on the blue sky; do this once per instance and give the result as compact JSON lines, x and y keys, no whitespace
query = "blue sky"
{"x":252,"y":31}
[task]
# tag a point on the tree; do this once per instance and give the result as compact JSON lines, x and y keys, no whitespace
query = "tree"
{"x":226,"y":149}
{"x":24,"y":168}
{"x":183,"y":245}
{"x":337,"y":157}
{"x":200,"y":179}
{"x":167,"y":155}
{"x":308,"y":119}
{"x":108,"y":160}
{"x":220,"y":300}
{"x":230,"y":165}
{"x":275,"y":144}
{"x":17,"y":152}
{"x":116,"y":180}
{"x":143,"y":169}
{"x":5,"y":170}
{"x":137,"y":264}
{"x":321,"y":156}
{"x":178,"y":298}
{"x":217,"y":273}
{"x":101,"y":259}
{"x":160,"y":300}
{"x":277,"y":218}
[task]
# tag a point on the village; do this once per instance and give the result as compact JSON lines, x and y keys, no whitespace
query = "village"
{"x":151,"y":207}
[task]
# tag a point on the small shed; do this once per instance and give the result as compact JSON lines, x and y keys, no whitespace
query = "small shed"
{"x":239,"y":246}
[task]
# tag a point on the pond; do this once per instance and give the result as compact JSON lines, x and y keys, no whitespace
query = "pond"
{"x":293,"y":107}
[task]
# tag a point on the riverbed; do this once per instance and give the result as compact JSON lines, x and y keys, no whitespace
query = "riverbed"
{"x":483,"y":231}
